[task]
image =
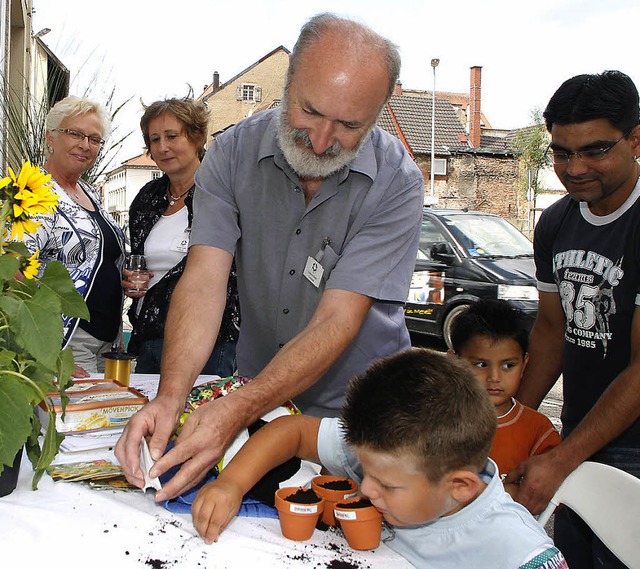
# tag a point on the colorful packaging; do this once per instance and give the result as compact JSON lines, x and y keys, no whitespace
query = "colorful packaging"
{"x":93,"y":405}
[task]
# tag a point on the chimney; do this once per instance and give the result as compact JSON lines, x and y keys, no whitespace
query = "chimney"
{"x":398,"y":88}
{"x":474,"y":106}
{"x":216,"y":81}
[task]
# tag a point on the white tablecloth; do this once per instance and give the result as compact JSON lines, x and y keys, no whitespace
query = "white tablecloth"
{"x":67,"y":525}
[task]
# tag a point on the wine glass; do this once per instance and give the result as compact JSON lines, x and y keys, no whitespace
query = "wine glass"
{"x":139,"y":277}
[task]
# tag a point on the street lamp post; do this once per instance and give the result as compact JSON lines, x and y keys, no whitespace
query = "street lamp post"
{"x":434,"y":64}
{"x":42,"y":32}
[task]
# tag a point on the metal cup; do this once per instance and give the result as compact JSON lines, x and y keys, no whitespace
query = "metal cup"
{"x":118,"y":366}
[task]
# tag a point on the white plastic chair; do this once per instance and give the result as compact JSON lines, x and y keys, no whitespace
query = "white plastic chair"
{"x":608,"y":500}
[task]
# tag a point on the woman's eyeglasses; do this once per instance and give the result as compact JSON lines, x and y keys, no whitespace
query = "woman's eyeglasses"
{"x":95,"y":141}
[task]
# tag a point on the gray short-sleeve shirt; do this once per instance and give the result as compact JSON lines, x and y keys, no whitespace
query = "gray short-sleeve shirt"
{"x":362,"y":225}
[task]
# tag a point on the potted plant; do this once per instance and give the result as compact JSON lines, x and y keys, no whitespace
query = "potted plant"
{"x":32,"y":361}
{"x":333,"y":489}
{"x":299,"y":510}
{"x":360,"y":521}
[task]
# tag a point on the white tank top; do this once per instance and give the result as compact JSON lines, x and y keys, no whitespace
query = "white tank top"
{"x":167,"y":243}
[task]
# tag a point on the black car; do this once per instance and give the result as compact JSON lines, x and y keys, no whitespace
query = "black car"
{"x":464,"y":256}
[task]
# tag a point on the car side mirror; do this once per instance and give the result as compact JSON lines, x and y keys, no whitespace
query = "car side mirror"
{"x":442,"y":252}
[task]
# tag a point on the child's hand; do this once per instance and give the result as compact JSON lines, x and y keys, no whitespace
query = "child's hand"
{"x":214,"y":507}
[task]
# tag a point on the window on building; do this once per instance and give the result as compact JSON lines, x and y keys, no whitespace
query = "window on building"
{"x":156,"y":174}
{"x":249,"y":92}
{"x":440,"y":167}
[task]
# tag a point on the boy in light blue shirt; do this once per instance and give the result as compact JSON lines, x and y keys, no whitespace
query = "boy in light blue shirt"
{"x":415,"y":432}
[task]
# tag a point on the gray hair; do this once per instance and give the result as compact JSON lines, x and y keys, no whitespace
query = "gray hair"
{"x":73,"y":106}
{"x":357,"y":35}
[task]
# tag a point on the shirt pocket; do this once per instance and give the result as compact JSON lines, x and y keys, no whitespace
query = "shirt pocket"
{"x":329,"y":261}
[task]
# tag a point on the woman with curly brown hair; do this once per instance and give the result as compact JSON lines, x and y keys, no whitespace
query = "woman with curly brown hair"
{"x":175,"y":132}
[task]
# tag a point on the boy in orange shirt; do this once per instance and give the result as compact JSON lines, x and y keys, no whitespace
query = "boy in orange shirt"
{"x":492,"y":336}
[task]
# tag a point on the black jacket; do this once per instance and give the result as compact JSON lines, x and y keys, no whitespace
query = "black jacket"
{"x":146,"y":209}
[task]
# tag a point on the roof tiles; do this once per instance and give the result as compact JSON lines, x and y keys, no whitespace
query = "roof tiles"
{"x":414,"y":115}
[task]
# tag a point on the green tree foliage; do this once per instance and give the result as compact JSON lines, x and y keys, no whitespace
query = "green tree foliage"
{"x":530,"y":148}
{"x":24,"y":127}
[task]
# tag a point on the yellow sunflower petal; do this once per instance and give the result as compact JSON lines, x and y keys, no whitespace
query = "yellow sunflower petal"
{"x":39,"y":179}
{"x":25,"y":174}
{"x":34,"y":195}
{"x":5,"y":181}
{"x":22,"y":226}
{"x":30,"y":271}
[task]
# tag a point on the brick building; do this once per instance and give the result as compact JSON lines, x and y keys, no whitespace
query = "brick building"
{"x":475,"y":165}
{"x":258,"y":87}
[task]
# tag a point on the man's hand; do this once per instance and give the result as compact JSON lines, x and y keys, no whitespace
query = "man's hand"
{"x":274,"y":444}
{"x":214,"y":507}
{"x":205,"y":436}
{"x":539,"y":478}
{"x":157,"y":418}
{"x":511,"y":489}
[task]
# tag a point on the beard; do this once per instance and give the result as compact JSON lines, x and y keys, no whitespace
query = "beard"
{"x":298,"y":150}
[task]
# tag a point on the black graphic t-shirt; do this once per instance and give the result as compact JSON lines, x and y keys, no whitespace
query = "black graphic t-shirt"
{"x":594,"y":264}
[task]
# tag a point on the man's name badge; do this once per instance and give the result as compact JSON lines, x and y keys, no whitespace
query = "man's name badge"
{"x":313,"y":271}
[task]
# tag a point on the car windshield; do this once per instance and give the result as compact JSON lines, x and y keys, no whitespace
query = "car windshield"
{"x":488,"y":236}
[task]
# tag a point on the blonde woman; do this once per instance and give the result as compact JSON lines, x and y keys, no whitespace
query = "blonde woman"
{"x":81,"y":234}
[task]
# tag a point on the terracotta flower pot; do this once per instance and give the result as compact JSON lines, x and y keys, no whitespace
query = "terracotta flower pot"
{"x":343,"y":489}
{"x":298,"y":518}
{"x":362,"y":526}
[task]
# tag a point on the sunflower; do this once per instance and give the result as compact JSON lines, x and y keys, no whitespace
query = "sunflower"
{"x":21,"y":226}
{"x":30,"y":271}
{"x":31,"y":354}
{"x":34,"y":194}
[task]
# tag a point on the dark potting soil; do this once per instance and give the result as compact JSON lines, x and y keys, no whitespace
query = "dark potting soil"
{"x":341,"y":564}
{"x":344,"y":555}
{"x":303,"y":496}
{"x":337,"y":485}
{"x":361,"y":503}
{"x":156,"y":563}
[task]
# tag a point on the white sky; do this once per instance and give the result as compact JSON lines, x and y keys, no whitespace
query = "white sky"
{"x":151,"y":49}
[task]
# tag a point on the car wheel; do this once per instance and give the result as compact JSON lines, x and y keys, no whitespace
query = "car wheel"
{"x":449,"y":320}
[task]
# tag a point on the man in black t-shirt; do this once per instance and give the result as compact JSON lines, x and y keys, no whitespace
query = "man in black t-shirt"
{"x":587,"y":252}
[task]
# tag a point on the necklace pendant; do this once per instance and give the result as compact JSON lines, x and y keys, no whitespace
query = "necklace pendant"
{"x":174,"y":199}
